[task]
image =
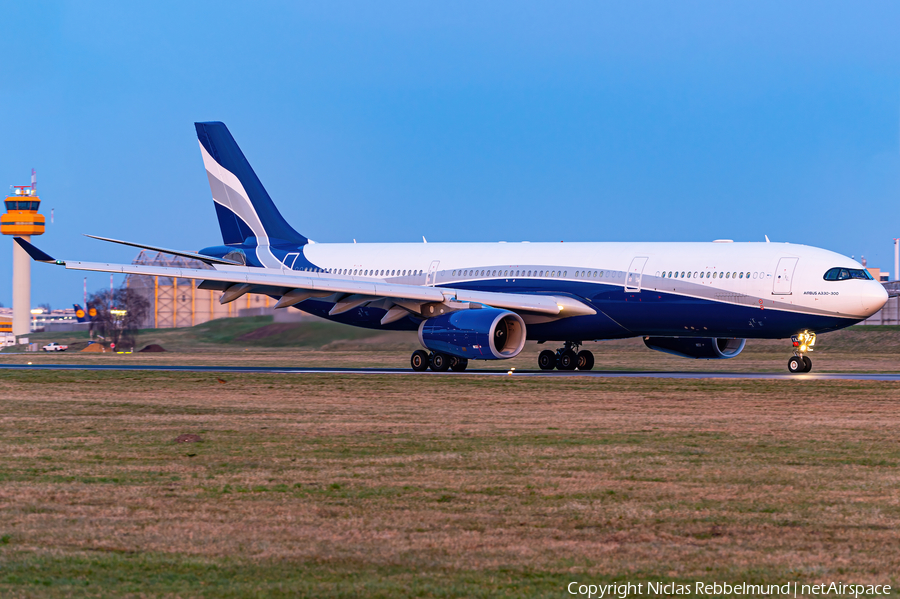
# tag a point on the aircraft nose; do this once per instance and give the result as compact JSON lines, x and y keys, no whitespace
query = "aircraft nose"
{"x":873,"y":298}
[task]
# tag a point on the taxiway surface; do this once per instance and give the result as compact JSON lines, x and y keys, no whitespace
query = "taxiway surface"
{"x":499,"y":372}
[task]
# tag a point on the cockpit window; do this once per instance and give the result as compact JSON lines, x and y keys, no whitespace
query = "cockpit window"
{"x":842,"y":274}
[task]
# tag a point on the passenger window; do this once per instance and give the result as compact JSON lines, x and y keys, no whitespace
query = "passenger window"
{"x":565,"y":273}
{"x":727,"y":275}
{"x":689,"y":275}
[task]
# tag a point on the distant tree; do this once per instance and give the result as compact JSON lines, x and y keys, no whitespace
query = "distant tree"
{"x":45,"y":308}
{"x":119,"y":315}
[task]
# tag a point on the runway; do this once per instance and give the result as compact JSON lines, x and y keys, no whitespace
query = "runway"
{"x":813,"y":376}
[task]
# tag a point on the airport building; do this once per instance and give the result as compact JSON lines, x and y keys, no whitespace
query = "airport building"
{"x":177,"y":302}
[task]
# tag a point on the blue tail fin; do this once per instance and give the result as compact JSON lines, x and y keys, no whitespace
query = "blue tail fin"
{"x":242,"y":204}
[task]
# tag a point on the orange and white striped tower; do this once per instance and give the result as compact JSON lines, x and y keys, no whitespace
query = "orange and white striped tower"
{"x":22,"y":220}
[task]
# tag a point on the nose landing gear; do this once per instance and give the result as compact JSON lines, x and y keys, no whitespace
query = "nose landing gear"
{"x":803,"y":343}
{"x":566,"y":358}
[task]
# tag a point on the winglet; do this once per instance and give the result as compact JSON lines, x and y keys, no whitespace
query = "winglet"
{"x":35,"y":253}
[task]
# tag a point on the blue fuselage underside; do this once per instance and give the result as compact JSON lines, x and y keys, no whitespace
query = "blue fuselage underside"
{"x":622,"y":314}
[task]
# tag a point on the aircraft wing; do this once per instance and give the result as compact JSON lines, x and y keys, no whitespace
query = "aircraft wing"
{"x":294,"y":287}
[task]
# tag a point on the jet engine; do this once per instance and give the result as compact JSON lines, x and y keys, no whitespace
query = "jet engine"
{"x":698,"y":348}
{"x":475,"y":334}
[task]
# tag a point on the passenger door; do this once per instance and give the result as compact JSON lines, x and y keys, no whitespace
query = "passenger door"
{"x":289,"y":261}
{"x":635,"y":274}
{"x":784,"y":276}
{"x":432,"y":273}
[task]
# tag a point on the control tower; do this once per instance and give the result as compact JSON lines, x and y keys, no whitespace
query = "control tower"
{"x":22,"y":220}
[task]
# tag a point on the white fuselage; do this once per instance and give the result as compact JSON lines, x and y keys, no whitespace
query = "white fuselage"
{"x":740,"y":273}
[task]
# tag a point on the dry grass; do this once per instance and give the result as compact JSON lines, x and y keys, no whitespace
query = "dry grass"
{"x":329,"y":482}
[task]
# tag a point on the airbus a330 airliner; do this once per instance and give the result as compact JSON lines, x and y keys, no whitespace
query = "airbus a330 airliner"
{"x":481,"y":301}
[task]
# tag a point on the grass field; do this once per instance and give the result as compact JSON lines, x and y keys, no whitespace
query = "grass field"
{"x":381,"y":486}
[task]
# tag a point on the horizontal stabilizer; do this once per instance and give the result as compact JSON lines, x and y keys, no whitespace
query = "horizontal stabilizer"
{"x":182,"y":253}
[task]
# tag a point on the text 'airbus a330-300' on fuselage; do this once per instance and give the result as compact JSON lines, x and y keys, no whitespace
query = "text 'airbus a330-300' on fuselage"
{"x":482,"y":301}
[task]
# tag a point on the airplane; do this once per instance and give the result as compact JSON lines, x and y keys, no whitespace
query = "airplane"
{"x":482,"y":301}
{"x":81,"y":315}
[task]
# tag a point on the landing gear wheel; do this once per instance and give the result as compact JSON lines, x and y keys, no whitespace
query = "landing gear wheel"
{"x":808,"y":364}
{"x":419,"y":360}
{"x":458,"y":364}
{"x":547,"y":360}
{"x":796,"y":365}
{"x":584,"y":360}
{"x":440,"y":362}
{"x":567,"y":360}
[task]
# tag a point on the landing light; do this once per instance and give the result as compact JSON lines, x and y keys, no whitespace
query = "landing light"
{"x":804,"y":341}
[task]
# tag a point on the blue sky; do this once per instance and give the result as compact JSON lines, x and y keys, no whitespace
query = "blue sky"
{"x":463,"y":121}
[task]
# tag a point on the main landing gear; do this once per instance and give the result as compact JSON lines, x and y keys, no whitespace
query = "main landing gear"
{"x":438,"y":362}
{"x":566,"y":358}
{"x":803,"y":343}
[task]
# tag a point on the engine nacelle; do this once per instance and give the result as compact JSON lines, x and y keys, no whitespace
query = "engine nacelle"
{"x":476,"y":334}
{"x":697,"y":348}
